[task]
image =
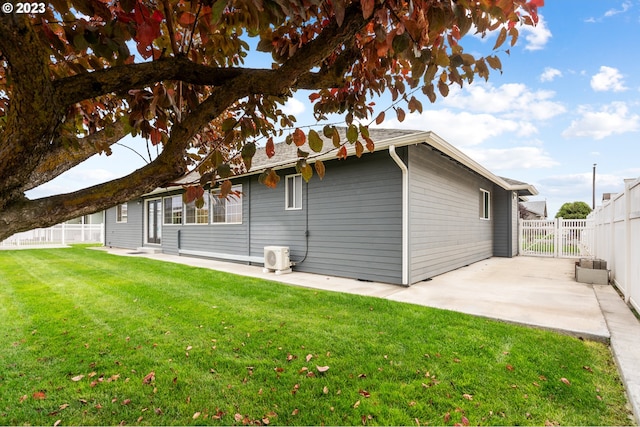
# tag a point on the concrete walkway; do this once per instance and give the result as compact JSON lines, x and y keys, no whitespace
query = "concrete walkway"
{"x":535,"y":292}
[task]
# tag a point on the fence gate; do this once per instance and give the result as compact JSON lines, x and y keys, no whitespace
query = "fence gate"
{"x":559,"y":238}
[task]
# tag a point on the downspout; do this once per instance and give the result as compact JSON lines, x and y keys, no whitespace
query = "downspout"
{"x":405,"y":213}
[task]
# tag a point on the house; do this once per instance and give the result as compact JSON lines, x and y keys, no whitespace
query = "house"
{"x":533,"y":209}
{"x":414,"y":208}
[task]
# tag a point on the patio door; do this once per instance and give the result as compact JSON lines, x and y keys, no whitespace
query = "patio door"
{"x":154,"y":221}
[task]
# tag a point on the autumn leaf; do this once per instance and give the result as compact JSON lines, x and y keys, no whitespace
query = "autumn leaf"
{"x":309,"y":357}
{"x":295,"y":412}
{"x":270,"y":148}
{"x":509,"y":368}
{"x":322,"y":369}
{"x":196,"y":415}
{"x":299,"y":138}
{"x":151,"y":376}
{"x":77,"y":378}
{"x":315,"y":142}
{"x":566,"y":381}
{"x":39,"y":395}
{"x":325,"y":390}
{"x":447,"y":417}
{"x":355,"y":405}
{"x":320,"y":169}
{"x":380,"y":118}
{"x":467,"y":396}
{"x":57,"y":423}
{"x":126,"y":402}
{"x":364,"y":393}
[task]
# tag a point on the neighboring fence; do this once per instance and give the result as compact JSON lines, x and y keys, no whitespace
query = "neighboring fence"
{"x":559,"y":238}
{"x":617,"y":239}
{"x":61,"y":234}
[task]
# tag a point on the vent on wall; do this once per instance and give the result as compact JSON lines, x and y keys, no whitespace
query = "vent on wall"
{"x":276,"y":258}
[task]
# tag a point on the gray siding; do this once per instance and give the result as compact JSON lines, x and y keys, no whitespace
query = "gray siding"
{"x":514,"y":226}
{"x":354,"y":219}
{"x":446,"y":231}
{"x":229,"y":239}
{"x":125,"y":235}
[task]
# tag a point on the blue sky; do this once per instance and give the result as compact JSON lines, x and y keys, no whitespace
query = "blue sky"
{"x":568,"y":97}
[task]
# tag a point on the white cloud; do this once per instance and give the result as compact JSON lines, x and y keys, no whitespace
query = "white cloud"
{"x":549,"y":74}
{"x":293,"y":107}
{"x":611,"y":119}
{"x":513,"y":158}
{"x":538,"y":36}
{"x":625,"y":6}
{"x":513,"y":100}
{"x":608,"y":79}
{"x":462,"y":129}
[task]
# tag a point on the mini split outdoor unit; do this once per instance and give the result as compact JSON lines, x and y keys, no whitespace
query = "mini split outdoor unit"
{"x":276,"y":258}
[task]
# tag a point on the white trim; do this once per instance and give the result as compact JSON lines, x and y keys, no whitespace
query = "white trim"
{"x":185,"y":221}
{"x":119,"y":213}
{"x":240,"y":201}
{"x":405,"y":213}
{"x":296,"y":188}
{"x":484,"y":192}
{"x":219,"y":255}
{"x":164,"y":219}
{"x":145,"y":222}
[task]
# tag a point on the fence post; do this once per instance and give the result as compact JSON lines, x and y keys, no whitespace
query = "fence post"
{"x":557,"y":241}
{"x":627,"y":239}
{"x":63,"y":234}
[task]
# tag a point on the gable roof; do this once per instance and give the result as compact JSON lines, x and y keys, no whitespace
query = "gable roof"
{"x":286,"y":155}
{"x":538,"y":207}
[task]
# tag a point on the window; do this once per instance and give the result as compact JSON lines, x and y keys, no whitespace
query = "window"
{"x":196,"y":215}
{"x":293,"y":192}
{"x":485,"y":204}
{"x":121,"y":213}
{"x":229,"y":210}
{"x":173,"y":210}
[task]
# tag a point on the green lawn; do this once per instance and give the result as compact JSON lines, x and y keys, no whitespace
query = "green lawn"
{"x":91,"y":338}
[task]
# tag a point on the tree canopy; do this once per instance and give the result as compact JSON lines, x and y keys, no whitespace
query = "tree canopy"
{"x":574,"y":210}
{"x":78,"y":75}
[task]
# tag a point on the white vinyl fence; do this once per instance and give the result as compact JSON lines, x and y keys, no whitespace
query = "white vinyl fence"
{"x":617,"y":239}
{"x":61,"y":234}
{"x":559,"y":238}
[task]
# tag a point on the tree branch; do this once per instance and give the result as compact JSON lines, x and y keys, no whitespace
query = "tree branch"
{"x":62,"y":159}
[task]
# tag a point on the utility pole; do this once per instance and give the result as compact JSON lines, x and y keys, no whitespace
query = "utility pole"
{"x":593,"y":186}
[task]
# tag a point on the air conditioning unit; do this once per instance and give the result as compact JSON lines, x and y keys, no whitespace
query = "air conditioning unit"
{"x":276,"y":258}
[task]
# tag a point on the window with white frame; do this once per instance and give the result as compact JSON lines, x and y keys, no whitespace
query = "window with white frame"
{"x":293,"y":192}
{"x":121,"y":213}
{"x":485,"y":204}
{"x":196,"y":215}
{"x":227,"y":210}
{"x":173,"y":210}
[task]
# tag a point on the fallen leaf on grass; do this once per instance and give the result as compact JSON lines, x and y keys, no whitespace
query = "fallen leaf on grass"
{"x":196,"y":415}
{"x":509,"y":368}
{"x":447,"y":417}
{"x":588,"y":369}
{"x":126,"y":402}
{"x":39,"y":395}
{"x":149,"y":378}
{"x":295,"y":412}
{"x":77,"y":378}
{"x":322,"y":369}
{"x":355,"y":405}
{"x":364,"y":393}
{"x":309,"y":357}
{"x":467,"y":396}
{"x":566,"y":381}
{"x":238,"y":417}
{"x":57,"y":423}
{"x":325,"y":390}
{"x":64,"y":406}
{"x":23,"y":398}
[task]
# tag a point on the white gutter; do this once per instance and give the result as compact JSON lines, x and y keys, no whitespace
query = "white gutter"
{"x":405,"y":213}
